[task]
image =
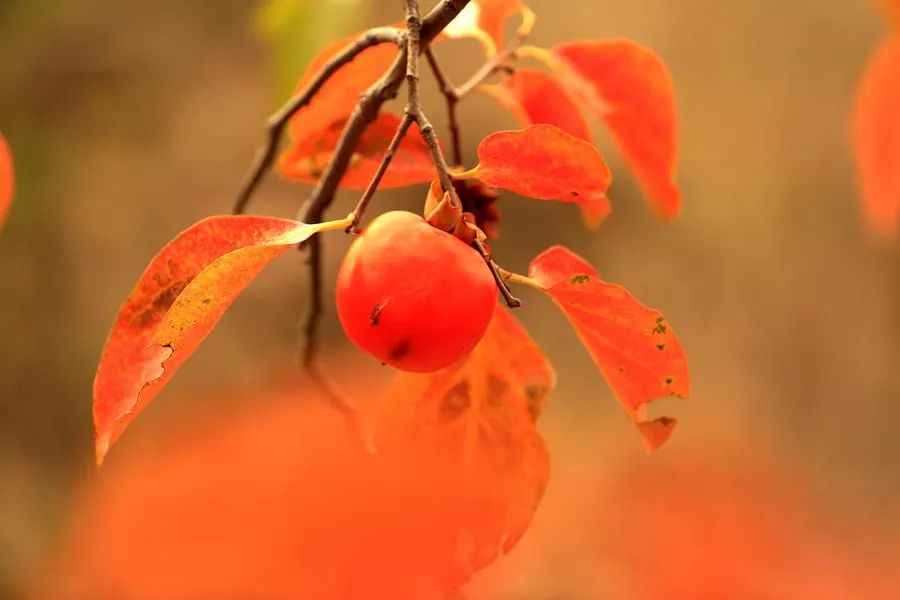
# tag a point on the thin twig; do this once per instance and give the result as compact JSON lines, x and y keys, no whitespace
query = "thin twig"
{"x":511,"y":301}
{"x":265,"y":156}
{"x":496,"y":63}
{"x":363,"y":203}
{"x":452,"y":99}
{"x":414,"y":109}
{"x":414,"y":106}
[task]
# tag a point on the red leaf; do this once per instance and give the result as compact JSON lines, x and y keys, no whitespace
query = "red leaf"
{"x":632,"y":345}
{"x":475,"y":421}
{"x":306,"y":159}
{"x":629,"y":87}
{"x":7,"y":179}
{"x":544,"y":162}
{"x":485,"y":20}
{"x":876,"y":139}
{"x":537,"y":97}
{"x":176,"y":303}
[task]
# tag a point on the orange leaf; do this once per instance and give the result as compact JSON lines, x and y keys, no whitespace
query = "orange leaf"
{"x":632,"y":345}
{"x":537,"y":97}
{"x":629,"y":87}
{"x":316,"y":128}
{"x":176,"y":303}
{"x":876,"y":139}
{"x":306,"y":158}
{"x":544,"y":162}
{"x":7,"y":179}
{"x":338,"y":96}
{"x":475,"y":421}
{"x":892,"y":10}
{"x":484,"y":20}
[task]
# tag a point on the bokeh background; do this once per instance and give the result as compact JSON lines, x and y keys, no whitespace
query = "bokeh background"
{"x":131,"y":120}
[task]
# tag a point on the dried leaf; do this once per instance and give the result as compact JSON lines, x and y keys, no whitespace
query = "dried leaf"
{"x":7,"y":179}
{"x":475,"y":423}
{"x":543,"y":162}
{"x":480,"y":201}
{"x":876,"y":139}
{"x":176,"y":303}
{"x":632,"y":345}
{"x":629,"y":87}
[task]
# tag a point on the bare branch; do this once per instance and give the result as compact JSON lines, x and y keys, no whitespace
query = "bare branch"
{"x":265,"y":156}
{"x":363,"y":203}
{"x":452,"y":99}
{"x":511,"y":301}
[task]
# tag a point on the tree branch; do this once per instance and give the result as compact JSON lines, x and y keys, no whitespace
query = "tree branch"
{"x":265,"y":156}
{"x":363,"y":203}
{"x":452,"y":99}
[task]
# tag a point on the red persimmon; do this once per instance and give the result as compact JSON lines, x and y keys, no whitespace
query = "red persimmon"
{"x":413,"y":296}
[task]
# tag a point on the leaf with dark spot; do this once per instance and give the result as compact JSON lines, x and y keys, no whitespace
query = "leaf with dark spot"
{"x":622,"y":335}
{"x":178,"y":300}
{"x":475,"y":421}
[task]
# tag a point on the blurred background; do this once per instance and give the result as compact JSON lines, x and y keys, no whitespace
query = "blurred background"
{"x":130,"y":121}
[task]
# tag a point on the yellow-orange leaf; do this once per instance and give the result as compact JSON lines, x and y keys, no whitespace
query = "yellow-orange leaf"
{"x":475,"y":421}
{"x":632,"y":345}
{"x":306,"y":158}
{"x":7,"y":179}
{"x":176,"y":303}
{"x":876,"y":139}
{"x":484,"y":20}
{"x":543,"y":162}
{"x":629,"y":87}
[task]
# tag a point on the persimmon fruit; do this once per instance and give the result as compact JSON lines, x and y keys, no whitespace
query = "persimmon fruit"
{"x":415,"y":297}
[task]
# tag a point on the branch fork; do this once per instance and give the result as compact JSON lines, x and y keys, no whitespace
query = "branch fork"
{"x":411,"y":42}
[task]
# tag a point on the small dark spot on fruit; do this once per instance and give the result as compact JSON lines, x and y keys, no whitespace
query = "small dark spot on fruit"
{"x":660,"y":347}
{"x":660,"y":326}
{"x":376,"y":312}
{"x":207,"y":300}
{"x":399,"y":350}
{"x":669,"y":380}
{"x":579,"y":279}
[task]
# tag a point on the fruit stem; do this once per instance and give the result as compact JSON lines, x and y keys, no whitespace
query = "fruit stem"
{"x":520,"y":279}
{"x":511,"y":301}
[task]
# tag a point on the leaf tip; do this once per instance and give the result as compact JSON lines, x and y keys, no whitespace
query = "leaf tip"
{"x":101,"y":447}
{"x":655,"y":433}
